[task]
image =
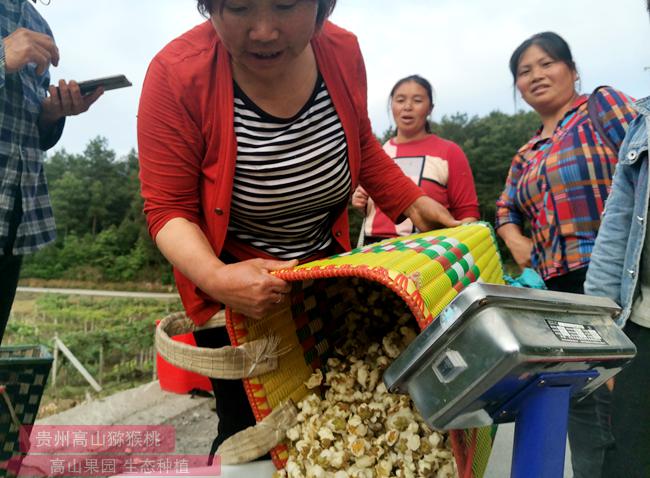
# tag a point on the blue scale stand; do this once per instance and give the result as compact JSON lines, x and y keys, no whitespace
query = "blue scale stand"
{"x":541,"y":412}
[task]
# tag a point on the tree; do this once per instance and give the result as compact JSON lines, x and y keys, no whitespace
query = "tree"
{"x":98,"y":209}
{"x":102,"y":234}
{"x":489,"y":142}
{"x":69,"y":195}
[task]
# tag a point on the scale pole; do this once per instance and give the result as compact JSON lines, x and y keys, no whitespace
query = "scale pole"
{"x":540,"y":433}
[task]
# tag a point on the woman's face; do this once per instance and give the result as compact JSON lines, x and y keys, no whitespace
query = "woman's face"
{"x":265,"y":36}
{"x":410,"y":106}
{"x":544,"y":83}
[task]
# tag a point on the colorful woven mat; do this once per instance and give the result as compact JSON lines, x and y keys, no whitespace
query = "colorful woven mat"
{"x":425,"y":270}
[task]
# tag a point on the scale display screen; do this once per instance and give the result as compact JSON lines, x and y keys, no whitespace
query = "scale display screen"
{"x":578,"y":333}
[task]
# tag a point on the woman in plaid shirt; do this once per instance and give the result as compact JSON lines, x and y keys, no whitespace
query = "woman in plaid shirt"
{"x":558,"y":184}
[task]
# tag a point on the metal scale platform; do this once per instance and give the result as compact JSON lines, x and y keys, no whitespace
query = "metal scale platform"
{"x":500,"y":354}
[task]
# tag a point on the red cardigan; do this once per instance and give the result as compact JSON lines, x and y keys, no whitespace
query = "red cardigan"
{"x":188,"y":149}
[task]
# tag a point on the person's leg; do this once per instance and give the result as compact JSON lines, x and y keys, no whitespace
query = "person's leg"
{"x":630,"y":458}
{"x":9,"y":268}
{"x":233,"y":409}
{"x":589,"y":427}
{"x":590,"y":433}
{"x":9,"y":272}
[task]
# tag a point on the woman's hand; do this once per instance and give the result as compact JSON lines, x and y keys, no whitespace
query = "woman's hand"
{"x":360,"y":199}
{"x":249,"y":288}
{"x":427,"y":214}
{"x":519,"y":245}
{"x":521,"y":248}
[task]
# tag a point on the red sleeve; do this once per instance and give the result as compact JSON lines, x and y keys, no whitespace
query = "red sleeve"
{"x":385,"y":182}
{"x":170,"y":150}
{"x":461,"y":191}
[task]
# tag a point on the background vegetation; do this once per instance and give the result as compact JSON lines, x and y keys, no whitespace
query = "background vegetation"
{"x":101,"y":232}
{"x":103,"y":241}
{"x":102,"y":235}
{"x":111,"y":337}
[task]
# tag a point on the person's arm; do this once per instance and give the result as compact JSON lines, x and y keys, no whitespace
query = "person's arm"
{"x":463,"y":201}
{"x":606,"y":266}
{"x":615,"y":112}
{"x":427,"y":214}
{"x":171,"y":149}
{"x":3,"y":66}
{"x":247,"y":287}
{"x":360,"y":200}
{"x":64,"y":101}
{"x":509,"y":219}
{"x":519,"y":245}
{"x":24,"y":46}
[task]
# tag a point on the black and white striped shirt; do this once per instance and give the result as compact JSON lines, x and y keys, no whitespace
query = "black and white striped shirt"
{"x":292,"y":177}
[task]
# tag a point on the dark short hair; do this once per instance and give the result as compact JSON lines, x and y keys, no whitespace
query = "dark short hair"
{"x":325,"y":8}
{"x":424,"y":83}
{"x":552,"y":44}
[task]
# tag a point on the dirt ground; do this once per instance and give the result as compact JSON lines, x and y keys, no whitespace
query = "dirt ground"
{"x":195,"y":429}
{"x":193,"y":417}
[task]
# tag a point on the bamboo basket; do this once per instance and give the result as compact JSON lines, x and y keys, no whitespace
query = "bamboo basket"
{"x":276,"y":355}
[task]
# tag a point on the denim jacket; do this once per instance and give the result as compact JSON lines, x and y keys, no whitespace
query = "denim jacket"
{"x":616,"y":257}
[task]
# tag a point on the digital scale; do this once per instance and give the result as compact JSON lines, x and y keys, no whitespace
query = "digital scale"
{"x":499,"y":354}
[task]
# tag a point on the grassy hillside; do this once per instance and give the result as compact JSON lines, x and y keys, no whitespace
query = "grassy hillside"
{"x":111,"y":337}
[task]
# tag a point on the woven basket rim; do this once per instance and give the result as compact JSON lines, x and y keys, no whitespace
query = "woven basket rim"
{"x":202,"y":359}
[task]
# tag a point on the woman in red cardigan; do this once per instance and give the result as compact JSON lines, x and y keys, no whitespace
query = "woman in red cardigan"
{"x":253,"y":131}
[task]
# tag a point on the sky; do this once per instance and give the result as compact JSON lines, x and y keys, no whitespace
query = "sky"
{"x":461,"y":46}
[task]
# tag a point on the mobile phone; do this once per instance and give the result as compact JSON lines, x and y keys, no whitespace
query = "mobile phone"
{"x":108,"y":83}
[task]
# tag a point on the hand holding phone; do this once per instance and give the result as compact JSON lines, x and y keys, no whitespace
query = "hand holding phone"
{"x":64,"y":100}
{"x":108,"y":83}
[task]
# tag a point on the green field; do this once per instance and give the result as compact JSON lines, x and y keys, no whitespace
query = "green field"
{"x":112,"y":338}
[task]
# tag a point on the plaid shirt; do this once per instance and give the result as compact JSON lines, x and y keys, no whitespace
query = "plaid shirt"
{"x":560,"y":184}
{"x":21,"y":143}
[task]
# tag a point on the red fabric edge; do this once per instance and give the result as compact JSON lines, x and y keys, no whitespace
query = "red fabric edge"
{"x":458,"y":448}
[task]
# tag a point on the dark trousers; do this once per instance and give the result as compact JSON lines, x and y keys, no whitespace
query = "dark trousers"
{"x":9,"y":272}
{"x":9,"y":269}
{"x":630,"y":457}
{"x":590,"y":434}
{"x":233,"y":408}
